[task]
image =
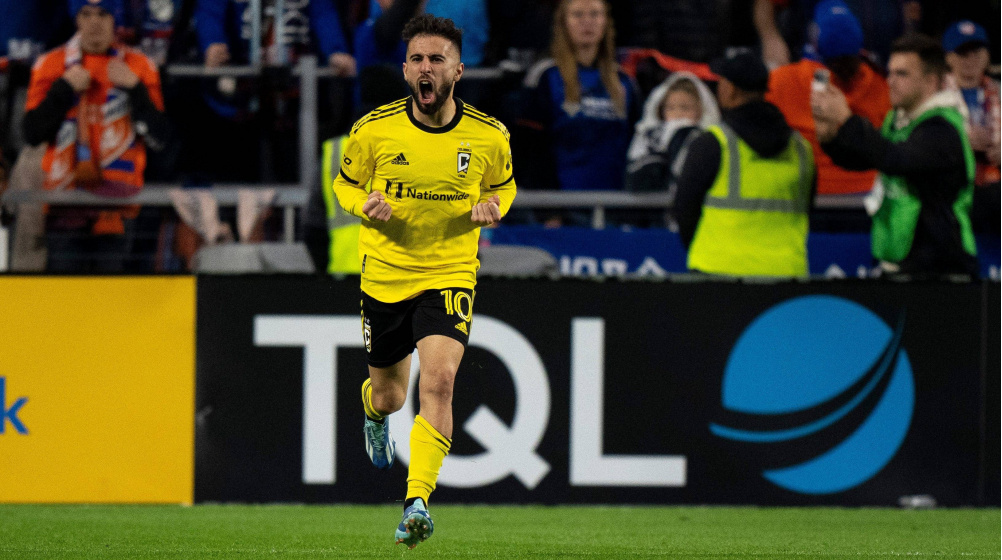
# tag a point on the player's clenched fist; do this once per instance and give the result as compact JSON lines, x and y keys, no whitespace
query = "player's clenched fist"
{"x":376,"y":207}
{"x":487,"y":213}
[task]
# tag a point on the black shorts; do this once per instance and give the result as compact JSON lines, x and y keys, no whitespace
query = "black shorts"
{"x":391,"y":330}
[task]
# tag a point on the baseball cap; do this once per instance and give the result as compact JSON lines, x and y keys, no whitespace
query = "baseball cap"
{"x":838,"y":32}
{"x":743,"y":69}
{"x":963,"y":32}
{"x":113,"y":7}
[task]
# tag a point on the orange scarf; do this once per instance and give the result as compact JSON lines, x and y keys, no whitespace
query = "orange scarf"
{"x":93,"y":137}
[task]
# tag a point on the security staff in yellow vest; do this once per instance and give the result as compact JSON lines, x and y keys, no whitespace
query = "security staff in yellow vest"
{"x":746,"y":187}
{"x":333,"y":239}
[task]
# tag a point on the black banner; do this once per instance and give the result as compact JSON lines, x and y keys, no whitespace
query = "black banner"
{"x":844,"y":393}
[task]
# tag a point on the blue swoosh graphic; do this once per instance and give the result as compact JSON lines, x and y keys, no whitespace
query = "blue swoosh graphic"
{"x":784,"y":435}
{"x":863,"y":454}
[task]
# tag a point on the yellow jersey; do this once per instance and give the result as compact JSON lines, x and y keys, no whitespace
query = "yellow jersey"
{"x":432,"y":178}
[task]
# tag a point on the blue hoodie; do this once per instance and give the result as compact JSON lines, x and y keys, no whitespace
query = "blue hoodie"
{"x":318,"y":30}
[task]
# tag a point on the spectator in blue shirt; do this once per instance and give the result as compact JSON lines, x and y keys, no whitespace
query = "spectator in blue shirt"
{"x":378,"y":41}
{"x":234,"y":117}
{"x":313,"y":26}
{"x":380,"y":50}
{"x":584,"y":106}
{"x":150,"y":25}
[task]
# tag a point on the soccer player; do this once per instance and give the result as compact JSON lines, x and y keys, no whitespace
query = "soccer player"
{"x":424,"y":173}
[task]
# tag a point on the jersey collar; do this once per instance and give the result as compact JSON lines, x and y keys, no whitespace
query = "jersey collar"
{"x":435,"y":129}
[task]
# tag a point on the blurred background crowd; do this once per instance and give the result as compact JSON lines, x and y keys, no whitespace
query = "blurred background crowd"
{"x":628,"y":95}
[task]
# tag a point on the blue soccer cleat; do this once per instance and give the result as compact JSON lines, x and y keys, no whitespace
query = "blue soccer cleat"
{"x":416,"y":526}
{"x":378,"y":443}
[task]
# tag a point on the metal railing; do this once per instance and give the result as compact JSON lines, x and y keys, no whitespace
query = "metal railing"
{"x":289,"y":197}
{"x":292,"y":196}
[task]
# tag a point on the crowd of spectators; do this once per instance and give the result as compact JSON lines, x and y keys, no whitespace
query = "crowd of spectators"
{"x":598,"y":95}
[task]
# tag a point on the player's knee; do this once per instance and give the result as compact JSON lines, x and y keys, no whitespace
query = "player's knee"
{"x":388,"y":400}
{"x":437,"y":384}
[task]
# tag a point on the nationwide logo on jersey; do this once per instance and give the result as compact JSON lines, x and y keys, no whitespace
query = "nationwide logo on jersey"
{"x":463,"y":158}
{"x":428,"y":195}
{"x":400,"y":160}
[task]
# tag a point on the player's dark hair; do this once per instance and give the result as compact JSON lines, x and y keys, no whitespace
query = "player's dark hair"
{"x":929,"y":51}
{"x":427,"y":24}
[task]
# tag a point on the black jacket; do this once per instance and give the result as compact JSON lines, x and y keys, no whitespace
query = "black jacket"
{"x":759,"y":124}
{"x":932,"y":161}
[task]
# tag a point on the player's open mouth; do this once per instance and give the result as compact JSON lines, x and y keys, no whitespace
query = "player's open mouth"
{"x":426,"y":92}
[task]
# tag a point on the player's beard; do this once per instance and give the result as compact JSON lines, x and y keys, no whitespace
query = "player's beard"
{"x":442,"y":94}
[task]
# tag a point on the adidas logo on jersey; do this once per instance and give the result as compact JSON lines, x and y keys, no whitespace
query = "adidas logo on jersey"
{"x":461,"y":327}
{"x":400,"y":160}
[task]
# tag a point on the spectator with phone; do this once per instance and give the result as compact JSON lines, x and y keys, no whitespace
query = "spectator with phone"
{"x":922,"y":223}
{"x":838,"y":43}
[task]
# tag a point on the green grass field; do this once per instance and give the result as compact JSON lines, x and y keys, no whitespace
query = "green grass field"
{"x":281,"y":531}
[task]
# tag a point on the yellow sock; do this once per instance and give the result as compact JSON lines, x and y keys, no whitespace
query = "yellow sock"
{"x":428,"y":450}
{"x":367,"y":401}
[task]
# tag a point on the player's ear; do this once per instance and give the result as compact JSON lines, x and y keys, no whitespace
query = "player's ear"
{"x":459,"y":71}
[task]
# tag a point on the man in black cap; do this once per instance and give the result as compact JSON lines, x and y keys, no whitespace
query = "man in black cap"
{"x":746,"y":186}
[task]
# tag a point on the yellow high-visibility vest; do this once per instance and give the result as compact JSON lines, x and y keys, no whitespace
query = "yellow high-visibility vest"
{"x":343,"y":257}
{"x":755,"y":216}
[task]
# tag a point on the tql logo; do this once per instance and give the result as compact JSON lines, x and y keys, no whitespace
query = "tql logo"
{"x":822,"y":386}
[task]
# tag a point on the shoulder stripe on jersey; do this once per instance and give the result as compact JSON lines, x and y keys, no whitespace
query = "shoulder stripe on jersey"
{"x":384,"y":115}
{"x":483,"y":115}
{"x":347,"y":178}
{"x":495,"y":125}
{"x":388,"y":106}
{"x":506,"y":181}
{"x":477,"y":111}
{"x":379,"y":111}
{"x":376,"y":118}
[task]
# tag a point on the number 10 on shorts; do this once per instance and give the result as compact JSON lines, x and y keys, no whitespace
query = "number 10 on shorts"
{"x":454,"y":304}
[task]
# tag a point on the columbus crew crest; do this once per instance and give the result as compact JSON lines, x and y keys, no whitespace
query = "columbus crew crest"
{"x":463,"y":157}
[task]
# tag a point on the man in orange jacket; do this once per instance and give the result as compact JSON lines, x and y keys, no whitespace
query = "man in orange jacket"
{"x":839,"y":40}
{"x":97,"y":104}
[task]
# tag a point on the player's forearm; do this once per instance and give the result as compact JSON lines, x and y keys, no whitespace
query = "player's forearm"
{"x":350,"y":197}
{"x":506,"y":193}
